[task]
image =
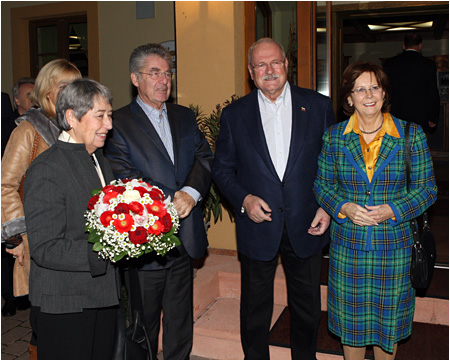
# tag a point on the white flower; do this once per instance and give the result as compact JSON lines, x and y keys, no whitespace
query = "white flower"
{"x":131,"y":196}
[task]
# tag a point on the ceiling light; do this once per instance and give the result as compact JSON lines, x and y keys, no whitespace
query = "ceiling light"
{"x":401,"y":28}
{"x":377,"y":27}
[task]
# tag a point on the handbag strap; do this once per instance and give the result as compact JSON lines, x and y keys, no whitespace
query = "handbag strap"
{"x":134,"y":292}
{"x":408,"y":183}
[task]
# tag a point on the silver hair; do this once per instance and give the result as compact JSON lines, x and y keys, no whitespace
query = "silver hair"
{"x":79,"y":96}
{"x":16,"y":87}
{"x":140,"y":54}
{"x":260,"y":41}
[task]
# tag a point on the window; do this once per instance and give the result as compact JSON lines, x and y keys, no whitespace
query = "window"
{"x":59,"y":38}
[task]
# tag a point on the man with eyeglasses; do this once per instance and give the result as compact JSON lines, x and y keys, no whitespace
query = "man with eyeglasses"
{"x":265,"y":164}
{"x":160,"y":143}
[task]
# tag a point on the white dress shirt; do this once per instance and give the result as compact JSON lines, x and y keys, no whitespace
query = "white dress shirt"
{"x":277,"y":124}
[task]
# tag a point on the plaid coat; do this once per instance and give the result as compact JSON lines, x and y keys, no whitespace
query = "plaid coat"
{"x":342,"y":178}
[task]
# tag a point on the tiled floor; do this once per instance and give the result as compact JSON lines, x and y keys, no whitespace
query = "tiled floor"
{"x":16,"y":334}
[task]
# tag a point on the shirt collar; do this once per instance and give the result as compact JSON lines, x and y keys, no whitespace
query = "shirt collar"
{"x":284,"y":98}
{"x":388,"y":126}
{"x":65,"y":137}
{"x":150,"y":110}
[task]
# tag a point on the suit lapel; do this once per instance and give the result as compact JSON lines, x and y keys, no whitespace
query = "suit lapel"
{"x":300,"y":117}
{"x":174,"y":123}
{"x":147,"y":128}
{"x":255,"y":129}
{"x":354,"y":154}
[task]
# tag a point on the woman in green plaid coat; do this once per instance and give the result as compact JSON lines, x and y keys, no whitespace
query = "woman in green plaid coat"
{"x":361,"y":183}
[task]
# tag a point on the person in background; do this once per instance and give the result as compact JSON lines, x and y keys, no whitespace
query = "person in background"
{"x":72,"y":290}
{"x":21,"y":95}
{"x":361,"y":183}
{"x":414,"y":87}
{"x":22,"y":91}
{"x":8,"y":124}
{"x":160,"y":143}
{"x":265,"y":164}
{"x":37,"y":130}
{"x":9,"y":307}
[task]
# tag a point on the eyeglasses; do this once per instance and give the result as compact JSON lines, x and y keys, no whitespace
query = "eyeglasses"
{"x":363,"y":91}
{"x":276,"y":64}
{"x":156,"y":75}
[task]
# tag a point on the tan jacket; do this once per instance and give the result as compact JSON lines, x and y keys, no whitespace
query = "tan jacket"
{"x":15,"y":162}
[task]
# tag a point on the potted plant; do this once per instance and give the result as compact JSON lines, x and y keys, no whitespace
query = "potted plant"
{"x":210,"y":126}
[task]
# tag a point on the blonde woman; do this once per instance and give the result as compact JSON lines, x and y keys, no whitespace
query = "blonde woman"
{"x":37,"y":130}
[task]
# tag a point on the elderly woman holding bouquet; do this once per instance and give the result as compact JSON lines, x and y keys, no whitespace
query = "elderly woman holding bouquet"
{"x":73,"y":291}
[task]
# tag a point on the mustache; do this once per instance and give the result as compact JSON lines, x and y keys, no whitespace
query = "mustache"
{"x":270,"y":76}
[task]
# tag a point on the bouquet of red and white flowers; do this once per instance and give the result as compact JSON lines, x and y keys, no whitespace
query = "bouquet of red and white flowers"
{"x":129,"y":218}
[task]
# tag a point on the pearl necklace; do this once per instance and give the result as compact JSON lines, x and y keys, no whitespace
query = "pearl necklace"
{"x":373,"y":131}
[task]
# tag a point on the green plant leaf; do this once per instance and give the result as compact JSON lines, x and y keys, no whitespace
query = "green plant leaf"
{"x":97,"y":247}
{"x":94,"y":237}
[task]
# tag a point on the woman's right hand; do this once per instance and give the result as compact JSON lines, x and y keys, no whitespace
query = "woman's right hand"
{"x":18,"y":252}
{"x":357,"y":214}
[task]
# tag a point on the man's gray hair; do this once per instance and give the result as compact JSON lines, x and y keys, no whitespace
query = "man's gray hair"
{"x":139,"y":55}
{"x":79,"y":96}
{"x":19,"y":83}
{"x":260,"y":41}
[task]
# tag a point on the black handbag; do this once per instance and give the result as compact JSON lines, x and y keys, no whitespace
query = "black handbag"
{"x":424,"y":248}
{"x":132,"y":342}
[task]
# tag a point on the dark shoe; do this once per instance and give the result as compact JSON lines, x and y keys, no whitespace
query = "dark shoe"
{"x":9,"y":308}
{"x":23,"y":303}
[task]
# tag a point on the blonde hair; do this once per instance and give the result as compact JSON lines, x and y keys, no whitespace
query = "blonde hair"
{"x":46,"y":80}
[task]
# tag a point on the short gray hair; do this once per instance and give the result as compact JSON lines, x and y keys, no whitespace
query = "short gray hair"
{"x":79,"y":96}
{"x":139,"y":55}
{"x":260,"y":41}
{"x":19,"y":83}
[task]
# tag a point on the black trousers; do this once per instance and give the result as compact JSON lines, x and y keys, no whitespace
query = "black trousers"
{"x":169,"y":290}
{"x":303,"y":289}
{"x":7,"y":275}
{"x":86,"y":335}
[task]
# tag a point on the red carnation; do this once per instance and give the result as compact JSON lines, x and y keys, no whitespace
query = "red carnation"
{"x":119,"y":189}
{"x":136,"y":207}
{"x":166,"y":221}
{"x":110,"y":195}
{"x":156,"y":229}
{"x":125,"y":181}
{"x":138,"y":236}
{"x":125,"y":224}
{"x":106,"y":218}
{"x":156,"y":194}
{"x":157,"y":209}
{"x":92,"y":202}
{"x":141,"y":190}
{"x":108,"y":188}
{"x":122,"y":208}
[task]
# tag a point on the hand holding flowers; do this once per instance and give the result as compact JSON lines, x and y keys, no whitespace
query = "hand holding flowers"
{"x":129,"y":218}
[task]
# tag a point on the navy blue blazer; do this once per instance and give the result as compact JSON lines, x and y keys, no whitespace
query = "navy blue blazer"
{"x":135,"y":150}
{"x":243,"y":166}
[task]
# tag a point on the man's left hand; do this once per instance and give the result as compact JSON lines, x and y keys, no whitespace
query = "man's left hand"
{"x":183,"y":203}
{"x":320,"y":223}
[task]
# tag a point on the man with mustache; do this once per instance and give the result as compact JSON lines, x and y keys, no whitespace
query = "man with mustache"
{"x":160,"y":143}
{"x":265,"y":164}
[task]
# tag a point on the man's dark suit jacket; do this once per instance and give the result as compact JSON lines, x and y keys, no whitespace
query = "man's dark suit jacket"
{"x":135,"y":150}
{"x":414,"y":89}
{"x":243,"y":166}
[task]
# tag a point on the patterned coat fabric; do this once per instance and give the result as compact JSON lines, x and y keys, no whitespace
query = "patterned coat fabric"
{"x":370,"y":298}
{"x":342,"y":178}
